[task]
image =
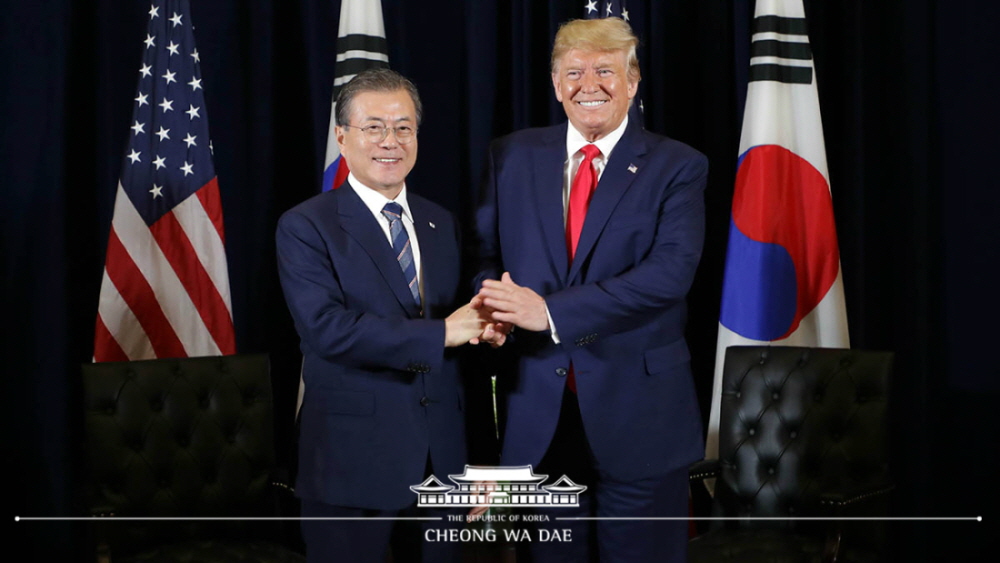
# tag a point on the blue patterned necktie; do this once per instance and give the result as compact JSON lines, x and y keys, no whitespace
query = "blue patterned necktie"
{"x":401,"y":246}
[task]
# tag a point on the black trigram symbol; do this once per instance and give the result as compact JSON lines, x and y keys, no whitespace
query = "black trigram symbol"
{"x":785,"y":39}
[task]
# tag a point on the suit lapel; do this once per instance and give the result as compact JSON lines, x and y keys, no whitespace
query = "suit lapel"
{"x":547,"y":179}
{"x":357,"y":220}
{"x":615,"y":181}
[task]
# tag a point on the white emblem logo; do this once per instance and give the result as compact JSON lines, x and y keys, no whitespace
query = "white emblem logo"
{"x":498,"y":486}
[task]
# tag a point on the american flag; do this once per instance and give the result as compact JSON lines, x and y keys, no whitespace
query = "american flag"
{"x":165,"y":291}
{"x":595,"y":9}
{"x":360,"y":46}
{"x":604,"y":9}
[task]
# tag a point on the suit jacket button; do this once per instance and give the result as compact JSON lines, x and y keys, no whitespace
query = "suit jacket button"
{"x":424,"y":402}
{"x":561,"y":372}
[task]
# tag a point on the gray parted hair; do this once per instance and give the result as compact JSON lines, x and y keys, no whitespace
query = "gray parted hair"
{"x":604,"y":34}
{"x":375,"y":80}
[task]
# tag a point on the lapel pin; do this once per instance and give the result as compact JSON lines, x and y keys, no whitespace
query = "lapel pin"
{"x":433,"y":226}
{"x":632,"y":168}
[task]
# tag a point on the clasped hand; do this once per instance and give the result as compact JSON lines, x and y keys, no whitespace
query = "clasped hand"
{"x":512,"y":305}
{"x":494,"y":311}
{"x":472,"y":323}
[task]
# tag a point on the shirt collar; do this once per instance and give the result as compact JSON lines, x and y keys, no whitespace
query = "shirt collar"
{"x":375,"y":201}
{"x":575,"y":140}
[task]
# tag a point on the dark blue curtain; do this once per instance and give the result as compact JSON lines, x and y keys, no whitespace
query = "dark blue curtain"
{"x":908,"y":108}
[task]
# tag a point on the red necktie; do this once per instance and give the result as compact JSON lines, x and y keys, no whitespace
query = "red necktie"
{"x":584,"y":184}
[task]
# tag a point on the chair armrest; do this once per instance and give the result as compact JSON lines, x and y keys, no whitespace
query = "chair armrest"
{"x":701,"y":488}
{"x":837,"y":502}
{"x":286,"y":504}
{"x":704,"y":469}
{"x":98,"y":533}
{"x":283,"y":493}
{"x":843,"y":498}
{"x":280,"y":480}
{"x":282,"y":487}
{"x":102,"y":511}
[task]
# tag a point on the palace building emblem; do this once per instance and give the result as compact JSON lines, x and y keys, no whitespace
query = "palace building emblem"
{"x":515,"y":486}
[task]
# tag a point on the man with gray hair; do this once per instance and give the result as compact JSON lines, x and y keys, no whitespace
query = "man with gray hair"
{"x":590,"y":233}
{"x":370,"y":273}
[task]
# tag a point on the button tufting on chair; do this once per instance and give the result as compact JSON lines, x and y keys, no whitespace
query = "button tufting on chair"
{"x":817,"y":418}
{"x":183,"y":438}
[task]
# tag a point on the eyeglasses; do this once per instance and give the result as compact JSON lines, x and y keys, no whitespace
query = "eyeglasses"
{"x":377,"y":133}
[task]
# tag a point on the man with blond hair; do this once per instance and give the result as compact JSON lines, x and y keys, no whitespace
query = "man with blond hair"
{"x":590,"y":233}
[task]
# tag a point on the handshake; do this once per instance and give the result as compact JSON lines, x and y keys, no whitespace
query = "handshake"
{"x":493,"y":312}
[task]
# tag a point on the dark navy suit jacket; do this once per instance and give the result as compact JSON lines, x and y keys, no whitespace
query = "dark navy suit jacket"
{"x":619,"y":309}
{"x":381,"y":392}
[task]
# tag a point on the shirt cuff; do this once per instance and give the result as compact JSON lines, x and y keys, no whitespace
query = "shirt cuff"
{"x":552,"y":325}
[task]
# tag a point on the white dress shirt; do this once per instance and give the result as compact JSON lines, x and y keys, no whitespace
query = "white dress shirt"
{"x":575,"y":142}
{"x":375,"y":201}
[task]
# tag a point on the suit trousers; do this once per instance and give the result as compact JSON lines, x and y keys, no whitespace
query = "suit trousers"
{"x":625,"y":541}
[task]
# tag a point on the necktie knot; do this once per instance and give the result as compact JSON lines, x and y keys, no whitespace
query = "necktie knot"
{"x":589,"y":152}
{"x":392,"y":211}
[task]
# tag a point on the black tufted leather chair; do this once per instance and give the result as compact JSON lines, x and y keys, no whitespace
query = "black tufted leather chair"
{"x":188,"y":437}
{"x":802,"y":433}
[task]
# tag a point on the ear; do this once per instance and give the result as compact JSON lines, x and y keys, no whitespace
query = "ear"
{"x":339,"y":132}
{"x":556,"y":85}
{"x":633,"y":88}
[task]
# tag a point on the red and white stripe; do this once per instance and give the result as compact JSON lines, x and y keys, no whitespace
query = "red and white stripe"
{"x":165,"y":291}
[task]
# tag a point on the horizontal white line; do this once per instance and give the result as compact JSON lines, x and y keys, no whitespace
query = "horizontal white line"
{"x":781,"y":519}
{"x":780,"y":37}
{"x":206,"y":518}
{"x":366,"y":55}
{"x":320,"y":518}
{"x":780,"y":61}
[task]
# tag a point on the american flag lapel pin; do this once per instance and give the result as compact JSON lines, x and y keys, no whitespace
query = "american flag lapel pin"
{"x":632,"y":168}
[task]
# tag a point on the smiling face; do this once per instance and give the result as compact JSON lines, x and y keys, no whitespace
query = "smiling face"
{"x":382,"y":166}
{"x":595,"y":90}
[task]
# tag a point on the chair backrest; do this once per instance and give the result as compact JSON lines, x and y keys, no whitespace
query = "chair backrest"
{"x":796,"y":423}
{"x":180,"y":437}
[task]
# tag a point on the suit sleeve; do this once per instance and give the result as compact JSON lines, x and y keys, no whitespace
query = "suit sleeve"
{"x":311,"y":284}
{"x":488,"y":262}
{"x":662,"y":278}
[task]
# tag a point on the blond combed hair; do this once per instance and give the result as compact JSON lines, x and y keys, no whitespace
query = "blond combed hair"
{"x":605,"y":34}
